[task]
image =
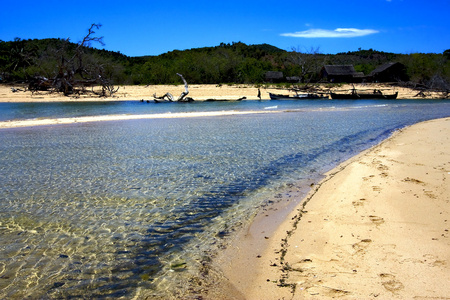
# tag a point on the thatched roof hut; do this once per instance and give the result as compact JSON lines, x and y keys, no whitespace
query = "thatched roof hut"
{"x":274,"y":76}
{"x":390,"y":72}
{"x":341,"y":73}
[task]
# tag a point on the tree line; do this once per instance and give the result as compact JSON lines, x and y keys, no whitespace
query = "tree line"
{"x":25,"y":60}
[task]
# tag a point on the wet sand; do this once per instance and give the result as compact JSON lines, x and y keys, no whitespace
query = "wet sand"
{"x":377,"y":227}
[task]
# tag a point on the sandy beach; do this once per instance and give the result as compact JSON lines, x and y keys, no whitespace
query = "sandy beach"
{"x":377,"y":227}
{"x":197,"y":92}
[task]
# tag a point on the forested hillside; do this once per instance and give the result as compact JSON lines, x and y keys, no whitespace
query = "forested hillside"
{"x":23,"y":60}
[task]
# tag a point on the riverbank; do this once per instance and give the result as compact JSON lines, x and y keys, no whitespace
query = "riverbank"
{"x":376,"y":227}
{"x":197,"y":92}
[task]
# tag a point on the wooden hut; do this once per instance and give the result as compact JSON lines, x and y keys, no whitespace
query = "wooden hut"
{"x":390,"y":72}
{"x":341,"y":73}
{"x":274,"y":76}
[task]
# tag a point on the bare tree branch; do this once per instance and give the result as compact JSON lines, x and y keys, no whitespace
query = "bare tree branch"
{"x":186,"y":91}
{"x":75,"y":73}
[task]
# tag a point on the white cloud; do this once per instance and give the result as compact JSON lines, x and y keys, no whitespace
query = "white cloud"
{"x":337,"y":33}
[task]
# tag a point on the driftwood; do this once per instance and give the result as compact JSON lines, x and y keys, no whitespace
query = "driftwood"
{"x":169,"y":97}
{"x":166,"y":96}
{"x":420,"y":94}
{"x":186,"y":90}
{"x":14,"y":90}
{"x":224,"y":100}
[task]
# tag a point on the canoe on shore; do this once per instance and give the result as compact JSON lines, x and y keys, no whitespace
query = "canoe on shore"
{"x":306,"y":96}
{"x":376,"y":94}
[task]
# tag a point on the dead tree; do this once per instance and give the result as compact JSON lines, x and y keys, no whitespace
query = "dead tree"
{"x":74,"y":74}
{"x":169,"y":96}
{"x":309,"y":62}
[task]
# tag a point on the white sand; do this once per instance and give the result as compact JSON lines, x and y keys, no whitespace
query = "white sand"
{"x":376,"y":228}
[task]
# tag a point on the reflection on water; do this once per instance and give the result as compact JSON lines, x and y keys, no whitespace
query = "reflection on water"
{"x":134,"y":208}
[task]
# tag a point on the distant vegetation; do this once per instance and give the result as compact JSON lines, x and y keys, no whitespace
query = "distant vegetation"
{"x":23,"y":60}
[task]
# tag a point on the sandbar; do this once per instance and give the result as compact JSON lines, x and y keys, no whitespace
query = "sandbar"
{"x":376,"y":227}
{"x":102,"y":118}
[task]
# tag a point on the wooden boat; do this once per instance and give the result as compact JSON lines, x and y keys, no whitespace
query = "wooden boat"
{"x":306,"y":96}
{"x":376,"y":94}
{"x":225,"y":100}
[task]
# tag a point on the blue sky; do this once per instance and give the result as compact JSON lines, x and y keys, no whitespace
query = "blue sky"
{"x":137,"y":28}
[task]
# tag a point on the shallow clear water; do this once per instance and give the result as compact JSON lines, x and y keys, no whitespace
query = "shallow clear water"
{"x":133,"y":208}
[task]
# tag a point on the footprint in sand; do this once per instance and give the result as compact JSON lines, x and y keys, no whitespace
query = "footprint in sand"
{"x":430,"y":194}
{"x":326,"y":291}
{"x":376,"y":189}
{"x":390,"y":283}
{"x":362,"y":245}
{"x":359,"y":202}
{"x":433,"y":261}
{"x":382,"y":167}
{"x":376,"y":161}
{"x":366,"y":178}
{"x":376,"y":220}
{"x":407,"y":179}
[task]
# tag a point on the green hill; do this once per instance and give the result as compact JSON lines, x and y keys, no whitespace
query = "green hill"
{"x":22,"y":60}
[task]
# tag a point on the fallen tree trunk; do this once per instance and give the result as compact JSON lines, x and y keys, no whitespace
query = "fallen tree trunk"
{"x":169,"y":96}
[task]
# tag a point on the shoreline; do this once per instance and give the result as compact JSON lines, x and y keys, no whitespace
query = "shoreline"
{"x":276,"y":269}
{"x":361,"y":233}
{"x":200,"y":92}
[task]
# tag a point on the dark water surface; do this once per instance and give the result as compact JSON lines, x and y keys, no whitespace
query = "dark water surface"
{"x":134,"y":208}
